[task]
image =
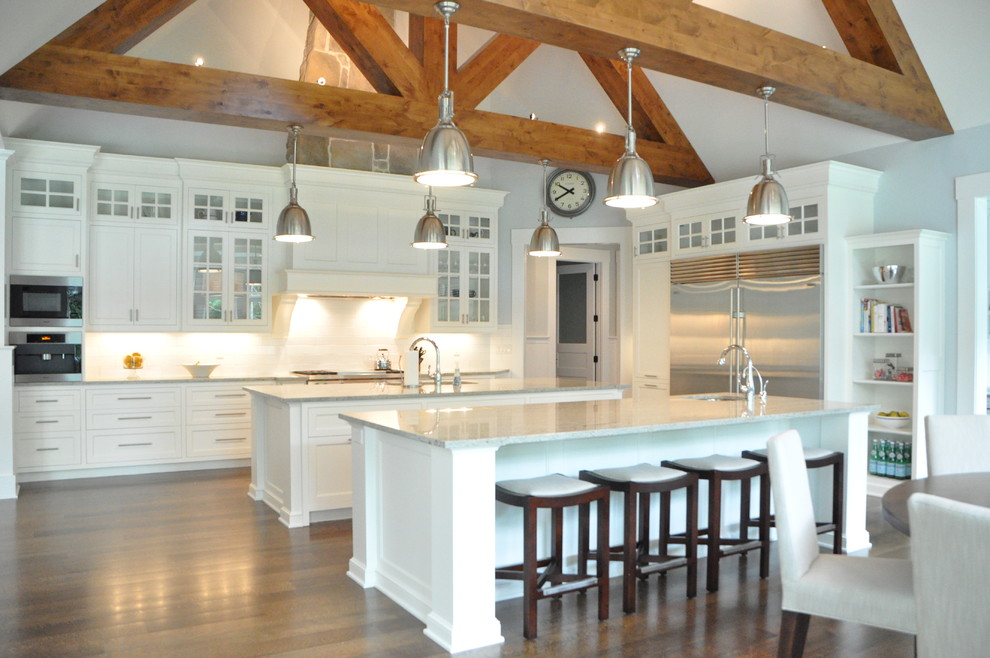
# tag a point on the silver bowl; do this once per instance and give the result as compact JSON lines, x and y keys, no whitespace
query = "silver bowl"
{"x":888,"y":273}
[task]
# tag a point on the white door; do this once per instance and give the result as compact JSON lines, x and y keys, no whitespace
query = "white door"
{"x":577,"y":320}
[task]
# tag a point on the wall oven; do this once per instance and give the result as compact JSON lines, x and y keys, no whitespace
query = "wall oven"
{"x":46,"y":357}
{"x":46,"y":301}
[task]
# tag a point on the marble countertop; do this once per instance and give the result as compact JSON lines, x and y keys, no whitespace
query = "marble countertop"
{"x":283,"y":378}
{"x":394,"y":389}
{"x":533,"y":423}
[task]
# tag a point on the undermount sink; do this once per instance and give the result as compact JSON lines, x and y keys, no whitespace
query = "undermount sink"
{"x":717,"y":397}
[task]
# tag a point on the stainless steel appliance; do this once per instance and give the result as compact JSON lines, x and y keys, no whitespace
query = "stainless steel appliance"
{"x":770,"y":302}
{"x":46,"y":357}
{"x":46,"y":301}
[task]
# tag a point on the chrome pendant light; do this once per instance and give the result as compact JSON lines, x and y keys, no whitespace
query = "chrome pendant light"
{"x":429,"y":231}
{"x":544,"y":242}
{"x":630,"y":185}
{"x":767,"y":205}
{"x":445,"y":158}
{"x":293,"y":222}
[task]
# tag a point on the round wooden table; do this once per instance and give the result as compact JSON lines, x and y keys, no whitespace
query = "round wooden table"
{"x":973,"y":488}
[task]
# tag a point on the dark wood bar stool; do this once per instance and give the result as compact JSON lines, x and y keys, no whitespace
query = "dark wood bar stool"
{"x":637,"y":484}
{"x":815,"y":458}
{"x":555,"y":492}
{"x":717,"y":469}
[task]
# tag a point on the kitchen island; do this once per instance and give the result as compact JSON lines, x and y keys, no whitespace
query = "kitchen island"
{"x":301,"y":450}
{"x":427,"y":530}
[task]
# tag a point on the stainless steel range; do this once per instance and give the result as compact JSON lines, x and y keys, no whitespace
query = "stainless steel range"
{"x":332,"y":376}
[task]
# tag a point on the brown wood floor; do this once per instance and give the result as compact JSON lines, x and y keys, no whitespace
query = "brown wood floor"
{"x":187,"y":565}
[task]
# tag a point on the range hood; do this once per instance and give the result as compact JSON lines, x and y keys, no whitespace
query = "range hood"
{"x":294,"y":285}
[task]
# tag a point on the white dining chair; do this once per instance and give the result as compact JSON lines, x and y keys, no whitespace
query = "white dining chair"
{"x":873,"y":591}
{"x":949,"y":543}
{"x":958,"y":443}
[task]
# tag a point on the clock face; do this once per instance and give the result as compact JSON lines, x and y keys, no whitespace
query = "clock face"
{"x":570,"y":192}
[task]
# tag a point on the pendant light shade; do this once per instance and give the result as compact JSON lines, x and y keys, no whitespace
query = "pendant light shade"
{"x":630,"y":185}
{"x":293,"y":222}
{"x":445,"y":158}
{"x":767,"y":204}
{"x":429,"y":230}
{"x":544,"y":242}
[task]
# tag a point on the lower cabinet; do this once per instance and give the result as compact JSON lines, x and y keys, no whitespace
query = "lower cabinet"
{"x":218,"y":421}
{"x":48,"y":427}
{"x":133,"y":423}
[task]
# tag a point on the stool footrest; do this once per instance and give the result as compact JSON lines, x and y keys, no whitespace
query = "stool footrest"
{"x":563,"y":588}
{"x":741,"y":547}
{"x":654,"y":567}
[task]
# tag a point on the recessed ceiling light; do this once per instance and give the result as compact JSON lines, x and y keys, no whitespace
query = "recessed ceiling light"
{"x":199,"y":61}
{"x":321,"y":81}
{"x":600,"y":127}
{"x":532,"y":116}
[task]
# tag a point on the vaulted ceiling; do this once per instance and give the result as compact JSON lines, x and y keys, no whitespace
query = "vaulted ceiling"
{"x":881,"y":84}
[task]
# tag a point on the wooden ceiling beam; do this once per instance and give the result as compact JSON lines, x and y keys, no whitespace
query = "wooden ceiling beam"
{"x":70,"y":77}
{"x":372,"y":44}
{"x":694,"y":42}
{"x":857,"y":27}
{"x":116,"y":26}
{"x":426,"y":44}
{"x":489,"y":67}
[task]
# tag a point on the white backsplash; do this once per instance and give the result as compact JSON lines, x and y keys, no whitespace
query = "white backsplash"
{"x":331,"y":334}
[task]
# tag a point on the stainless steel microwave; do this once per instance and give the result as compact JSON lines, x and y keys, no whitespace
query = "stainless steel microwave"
{"x":46,"y":301}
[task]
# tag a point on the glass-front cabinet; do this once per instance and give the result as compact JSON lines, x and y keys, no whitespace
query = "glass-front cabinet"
{"x":230,"y":207}
{"x":227,"y":280}
{"x":465,"y":273}
{"x":47,"y":193}
{"x":142,"y":203}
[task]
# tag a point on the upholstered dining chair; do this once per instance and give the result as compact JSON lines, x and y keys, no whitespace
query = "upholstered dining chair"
{"x":873,"y":591}
{"x":958,"y":444}
{"x":949,"y":543}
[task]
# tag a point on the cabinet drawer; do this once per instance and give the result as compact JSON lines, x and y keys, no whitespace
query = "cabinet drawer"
{"x":52,"y":422}
{"x":220,"y":442}
{"x":44,"y":401}
{"x":228,"y":396}
{"x":137,"y":398}
{"x":218,"y":416}
{"x":138,"y":418}
{"x":61,"y":449}
{"x":116,"y":446}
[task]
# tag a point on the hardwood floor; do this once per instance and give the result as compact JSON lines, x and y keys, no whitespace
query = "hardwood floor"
{"x":187,"y":565}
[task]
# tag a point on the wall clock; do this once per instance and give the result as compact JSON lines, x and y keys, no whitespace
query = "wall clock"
{"x":570,"y":192}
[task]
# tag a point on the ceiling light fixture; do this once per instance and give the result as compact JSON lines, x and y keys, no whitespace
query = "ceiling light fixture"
{"x":544,"y":242}
{"x":767,"y":205}
{"x":630,"y":185}
{"x":429,"y":231}
{"x":445,"y":158}
{"x":293,"y":222}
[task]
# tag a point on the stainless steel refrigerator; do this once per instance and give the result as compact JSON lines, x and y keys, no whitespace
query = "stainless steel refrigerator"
{"x":768,"y":302}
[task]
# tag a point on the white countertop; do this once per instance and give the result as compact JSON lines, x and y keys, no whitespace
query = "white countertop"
{"x":533,"y":423}
{"x":374,"y":390}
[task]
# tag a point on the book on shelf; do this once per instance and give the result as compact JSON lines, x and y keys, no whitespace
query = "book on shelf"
{"x":877,"y":317}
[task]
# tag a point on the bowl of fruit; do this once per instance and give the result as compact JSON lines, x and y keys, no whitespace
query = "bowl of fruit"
{"x":893,"y":420}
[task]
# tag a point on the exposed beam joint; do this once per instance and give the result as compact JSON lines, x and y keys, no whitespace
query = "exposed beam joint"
{"x":116,"y":26}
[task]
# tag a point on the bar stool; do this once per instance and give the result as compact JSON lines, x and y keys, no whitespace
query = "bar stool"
{"x":638,"y":483}
{"x":815,"y":458}
{"x":717,"y":469}
{"x":555,"y":492}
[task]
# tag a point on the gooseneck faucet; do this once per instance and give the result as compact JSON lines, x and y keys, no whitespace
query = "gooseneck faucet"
{"x":745,"y":378}
{"x":437,"y":376}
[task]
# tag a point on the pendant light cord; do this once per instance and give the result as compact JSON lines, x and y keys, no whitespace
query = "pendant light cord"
{"x":295,"y":142}
{"x":446,"y":52}
{"x":629,"y":61}
{"x":766,"y":125}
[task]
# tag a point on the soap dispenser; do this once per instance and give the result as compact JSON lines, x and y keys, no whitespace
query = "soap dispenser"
{"x":457,"y":371}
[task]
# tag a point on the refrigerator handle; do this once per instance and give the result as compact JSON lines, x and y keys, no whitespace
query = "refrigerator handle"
{"x":732,"y":338}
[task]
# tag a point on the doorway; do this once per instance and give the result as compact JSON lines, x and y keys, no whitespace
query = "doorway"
{"x":577,"y":320}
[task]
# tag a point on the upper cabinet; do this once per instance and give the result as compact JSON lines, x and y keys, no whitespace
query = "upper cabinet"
{"x":52,"y":193}
{"x":229,"y":196}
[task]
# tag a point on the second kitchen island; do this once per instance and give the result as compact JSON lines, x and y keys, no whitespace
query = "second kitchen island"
{"x":301,"y":450}
{"x":427,"y":530}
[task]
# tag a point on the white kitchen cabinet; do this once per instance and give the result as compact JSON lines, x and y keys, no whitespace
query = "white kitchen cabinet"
{"x":142,"y":203}
{"x":47,"y":191}
{"x":226,"y":281}
{"x":921,"y":293}
{"x":47,"y":427}
{"x":808,"y":225}
{"x":218,"y":206}
{"x":653,"y":241}
{"x":136,"y":423}
{"x":651,"y":315}
{"x":45,"y":245}
{"x":217,"y":421}
{"x":132,"y":281}
{"x":721,"y":231}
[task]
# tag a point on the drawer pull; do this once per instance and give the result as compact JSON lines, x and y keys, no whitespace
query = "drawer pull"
{"x":232,"y":413}
{"x":45,"y":449}
{"x":40,"y":401}
{"x":134,"y":418}
{"x":133,"y":445}
{"x":140,"y":397}
{"x":44,"y":422}
{"x":233,"y":438}
{"x":230,"y":395}
{"x":650,"y":376}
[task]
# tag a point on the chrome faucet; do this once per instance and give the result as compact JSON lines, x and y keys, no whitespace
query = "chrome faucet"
{"x":745,"y":377}
{"x":436,"y":376}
